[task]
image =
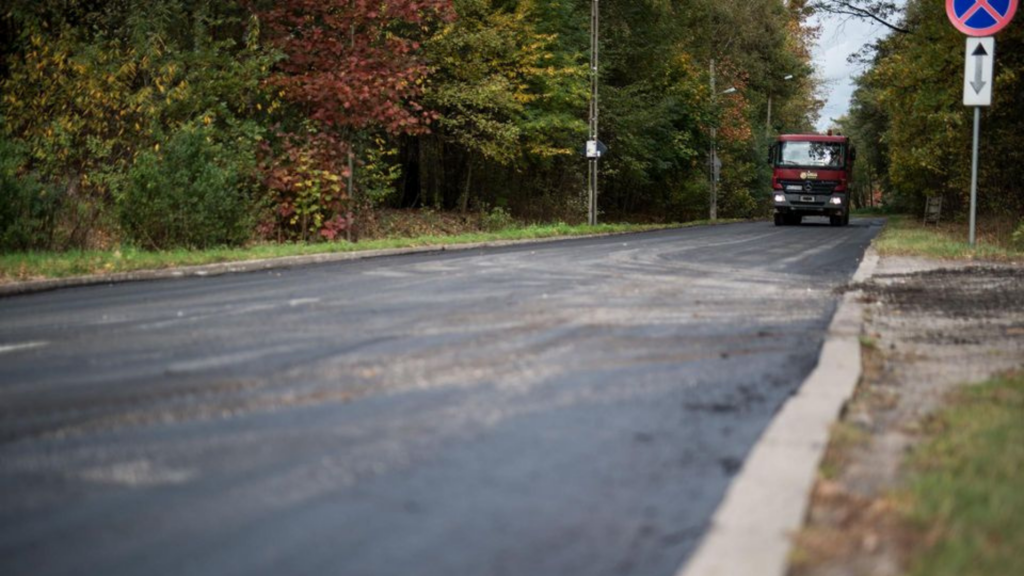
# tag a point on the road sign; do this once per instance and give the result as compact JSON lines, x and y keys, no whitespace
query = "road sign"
{"x":595,"y":149}
{"x":980,"y":17}
{"x":981,"y":53}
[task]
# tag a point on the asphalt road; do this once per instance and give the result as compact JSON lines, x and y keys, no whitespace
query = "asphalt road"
{"x":567,"y":408}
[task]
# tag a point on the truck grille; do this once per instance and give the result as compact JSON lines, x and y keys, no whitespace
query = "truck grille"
{"x":816,"y":186}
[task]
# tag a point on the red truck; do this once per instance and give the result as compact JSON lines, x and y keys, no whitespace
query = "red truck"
{"x":811,"y":176}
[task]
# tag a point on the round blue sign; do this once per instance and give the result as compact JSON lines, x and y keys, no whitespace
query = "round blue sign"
{"x":980,"y":17}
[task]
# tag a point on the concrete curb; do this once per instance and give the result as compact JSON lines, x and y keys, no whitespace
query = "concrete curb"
{"x":766,"y":503}
{"x":32,"y":286}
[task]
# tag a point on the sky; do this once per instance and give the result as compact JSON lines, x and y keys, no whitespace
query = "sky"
{"x":839,"y":39}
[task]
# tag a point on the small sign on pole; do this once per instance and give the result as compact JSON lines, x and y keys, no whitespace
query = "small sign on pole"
{"x":979,"y":20}
{"x":980,"y":58}
{"x":594,"y":149}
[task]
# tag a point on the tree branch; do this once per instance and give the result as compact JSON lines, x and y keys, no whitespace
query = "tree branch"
{"x":876,"y":11}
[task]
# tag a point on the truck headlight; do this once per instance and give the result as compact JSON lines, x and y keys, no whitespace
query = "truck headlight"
{"x":835,"y":200}
{"x":780,"y":197}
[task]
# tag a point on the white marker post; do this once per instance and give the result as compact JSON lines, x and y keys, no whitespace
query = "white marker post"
{"x":979,"y":63}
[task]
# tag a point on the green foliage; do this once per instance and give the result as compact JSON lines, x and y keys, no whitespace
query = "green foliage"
{"x":306,"y":173}
{"x":446,"y":103}
{"x":379,"y":172}
{"x":27,"y":207}
{"x":189,"y":193}
{"x":90,"y":86}
{"x":658,"y":109}
{"x":497,"y":219}
{"x":511,"y":84}
{"x":1018,"y":236}
{"x":915,"y":133}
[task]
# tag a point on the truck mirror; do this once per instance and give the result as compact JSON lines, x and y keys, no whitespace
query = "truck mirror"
{"x":853,"y":154}
{"x":771,"y":153}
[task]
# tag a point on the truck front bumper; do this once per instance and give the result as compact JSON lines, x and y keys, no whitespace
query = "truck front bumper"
{"x":806,"y":205}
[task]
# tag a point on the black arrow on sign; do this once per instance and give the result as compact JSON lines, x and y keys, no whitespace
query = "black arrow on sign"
{"x":979,"y":58}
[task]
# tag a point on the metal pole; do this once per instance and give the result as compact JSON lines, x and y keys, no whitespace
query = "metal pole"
{"x":713,"y":201}
{"x":768,"y":123}
{"x":974,"y":170}
{"x":594,"y":109}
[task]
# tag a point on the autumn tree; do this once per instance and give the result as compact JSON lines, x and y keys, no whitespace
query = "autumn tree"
{"x":89,"y":85}
{"x":351,"y":68}
{"x":500,"y":89}
{"x":908,"y":104}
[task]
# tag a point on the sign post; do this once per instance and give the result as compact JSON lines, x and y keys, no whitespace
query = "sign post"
{"x":979,"y":20}
{"x":593,"y":150}
{"x":979,"y":60}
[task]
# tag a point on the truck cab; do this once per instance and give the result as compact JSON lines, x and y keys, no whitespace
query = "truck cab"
{"x":811,"y":176}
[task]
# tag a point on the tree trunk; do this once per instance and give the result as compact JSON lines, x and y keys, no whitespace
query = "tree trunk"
{"x":464,"y":198}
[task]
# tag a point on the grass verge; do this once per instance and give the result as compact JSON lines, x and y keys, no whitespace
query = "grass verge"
{"x":906,"y":236}
{"x":965,"y":493}
{"x":39,"y":265}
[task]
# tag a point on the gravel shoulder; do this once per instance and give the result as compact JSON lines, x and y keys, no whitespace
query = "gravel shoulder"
{"x":930,"y":327}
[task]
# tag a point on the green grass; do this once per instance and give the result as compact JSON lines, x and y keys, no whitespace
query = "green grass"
{"x":36,"y":265}
{"x":966,"y":493}
{"x":906,"y":236}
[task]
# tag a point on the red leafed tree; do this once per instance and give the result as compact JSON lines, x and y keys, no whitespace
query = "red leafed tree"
{"x":353,"y":63}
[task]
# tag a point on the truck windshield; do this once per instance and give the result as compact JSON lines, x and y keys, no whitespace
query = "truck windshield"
{"x":811,"y":154}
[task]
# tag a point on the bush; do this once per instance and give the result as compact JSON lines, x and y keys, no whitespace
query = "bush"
{"x":193,"y":192}
{"x":497,"y":219}
{"x":27,"y":207}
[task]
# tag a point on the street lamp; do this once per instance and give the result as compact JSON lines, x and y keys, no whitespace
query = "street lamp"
{"x":713,"y":163}
{"x":768,"y":123}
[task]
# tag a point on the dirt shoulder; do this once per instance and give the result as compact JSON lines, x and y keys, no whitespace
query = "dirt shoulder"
{"x":930,"y":327}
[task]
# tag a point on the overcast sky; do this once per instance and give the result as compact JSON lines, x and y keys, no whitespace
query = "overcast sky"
{"x":839,"y":39}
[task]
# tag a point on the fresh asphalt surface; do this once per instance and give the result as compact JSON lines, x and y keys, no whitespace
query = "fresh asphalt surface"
{"x":574,"y":407}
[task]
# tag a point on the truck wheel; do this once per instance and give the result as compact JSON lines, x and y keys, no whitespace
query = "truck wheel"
{"x":846,"y":219}
{"x":779,"y":220}
{"x":835,"y":220}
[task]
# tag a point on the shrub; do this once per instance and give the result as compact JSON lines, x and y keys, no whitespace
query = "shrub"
{"x":306,"y":174}
{"x":497,"y":219}
{"x":27,"y":207}
{"x":193,"y":192}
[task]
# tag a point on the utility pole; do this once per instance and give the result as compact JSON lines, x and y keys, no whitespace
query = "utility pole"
{"x":768,"y":123}
{"x":592,"y":160}
{"x":713,"y":156}
{"x":351,"y":185}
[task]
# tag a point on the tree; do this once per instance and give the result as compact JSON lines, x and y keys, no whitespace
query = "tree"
{"x":90,"y":85}
{"x":916,"y":132}
{"x":884,"y":12}
{"x":354,"y":63}
{"x":501,"y":89}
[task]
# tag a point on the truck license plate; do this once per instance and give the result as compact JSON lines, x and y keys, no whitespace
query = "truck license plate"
{"x":807,"y":198}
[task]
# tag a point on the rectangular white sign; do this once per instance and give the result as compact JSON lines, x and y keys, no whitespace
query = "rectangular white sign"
{"x":981,"y":55}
